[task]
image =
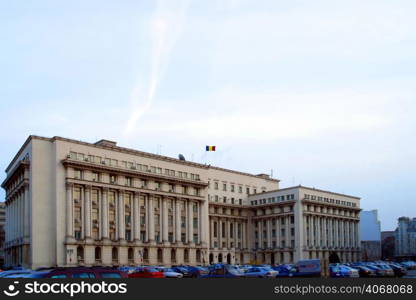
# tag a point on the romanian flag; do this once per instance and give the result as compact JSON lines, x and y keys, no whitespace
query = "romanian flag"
{"x":210,"y":148}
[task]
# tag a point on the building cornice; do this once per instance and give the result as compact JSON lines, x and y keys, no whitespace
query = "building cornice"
{"x":136,"y":152}
{"x":304,"y":187}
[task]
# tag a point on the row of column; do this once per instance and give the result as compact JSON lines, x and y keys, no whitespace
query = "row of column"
{"x":135,"y":217}
{"x":228,"y":239}
{"x":268,"y":238}
{"x":330,"y":232}
{"x":18,"y":215}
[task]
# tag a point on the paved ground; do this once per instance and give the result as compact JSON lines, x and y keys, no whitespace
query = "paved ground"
{"x":410,"y":274}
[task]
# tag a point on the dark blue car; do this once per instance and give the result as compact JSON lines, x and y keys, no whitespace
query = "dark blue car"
{"x":223,"y":271}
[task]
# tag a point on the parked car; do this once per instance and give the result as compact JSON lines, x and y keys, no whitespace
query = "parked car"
{"x":283,"y":270}
{"x":398,"y":270}
{"x":15,"y":273}
{"x":364,"y":271}
{"x":260,"y":272}
{"x":388,"y":271}
{"x":306,"y":268}
{"x":340,"y":270}
{"x":169,"y":272}
{"x":223,"y":271}
{"x":184,"y":270}
{"x":197,"y":271}
{"x":79,"y":272}
{"x":147,"y":272}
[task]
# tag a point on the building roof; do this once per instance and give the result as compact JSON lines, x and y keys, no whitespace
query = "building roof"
{"x":111,"y":145}
{"x":304,"y":187}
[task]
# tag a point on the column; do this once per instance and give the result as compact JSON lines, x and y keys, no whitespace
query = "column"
{"x":227,"y":232}
{"x":83,"y":223}
{"x":121,"y":219}
{"x":347,"y":233}
{"x":151,"y":213}
{"x":204,"y":223}
{"x":104,"y":214}
{"x":305,"y":231}
{"x":278,"y":233}
{"x":260,"y":233}
{"x":236,"y":224}
{"x":178,"y":222}
{"x":219,"y":233}
{"x":87,"y":212}
{"x":69,"y":213}
{"x":287,"y":231}
{"x":318,"y":231}
{"x":190,"y":223}
{"x":243,"y":234}
{"x":136,"y":217}
{"x":337,"y":244}
{"x":269,"y":233}
{"x":212,"y":233}
{"x":342,"y":233}
{"x":324,"y":233}
{"x":165,"y":231}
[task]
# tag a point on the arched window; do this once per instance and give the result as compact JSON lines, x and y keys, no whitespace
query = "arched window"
{"x":97,"y":253}
{"x":80,"y":254}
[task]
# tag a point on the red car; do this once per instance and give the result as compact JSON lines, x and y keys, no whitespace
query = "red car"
{"x":147,"y":272}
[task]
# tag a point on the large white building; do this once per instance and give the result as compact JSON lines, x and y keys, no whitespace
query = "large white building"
{"x":76,"y":203}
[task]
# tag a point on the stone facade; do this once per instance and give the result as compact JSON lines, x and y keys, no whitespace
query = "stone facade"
{"x":74,"y":203}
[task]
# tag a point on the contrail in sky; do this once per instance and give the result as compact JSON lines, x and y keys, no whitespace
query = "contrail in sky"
{"x":166,"y":26}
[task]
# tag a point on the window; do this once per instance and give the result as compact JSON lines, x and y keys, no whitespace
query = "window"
{"x":128,"y":181}
{"x":110,"y":275}
{"x":216,"y":185}
{"x":113,"y":178}
{"x":83,"y":275}
{"x":240,"y":189}
{"x":77,"y":174}
{"x":224,"y":187}
{"x":232,"y":188}
{"x":95,"y":176}
{"x":247,"y":190}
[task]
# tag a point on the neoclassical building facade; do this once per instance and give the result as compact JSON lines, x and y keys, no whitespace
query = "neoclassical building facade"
{"x":72,"y":203}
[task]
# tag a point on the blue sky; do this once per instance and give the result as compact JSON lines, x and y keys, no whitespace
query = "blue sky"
{"x":322,"y":92}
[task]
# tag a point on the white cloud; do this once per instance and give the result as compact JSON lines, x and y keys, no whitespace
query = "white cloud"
{"x":165,"y":28}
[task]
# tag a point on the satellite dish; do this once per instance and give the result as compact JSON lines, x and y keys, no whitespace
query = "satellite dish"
{"x":181,"y":157}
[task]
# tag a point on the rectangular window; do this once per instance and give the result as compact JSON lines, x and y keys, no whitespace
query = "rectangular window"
{"x":77,"y":174}
{"x":95,"y":176}
{"x":129,"y":181}
{"x":224,"y":187}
